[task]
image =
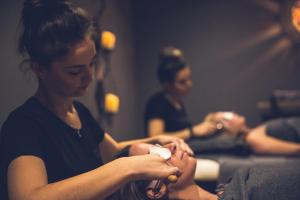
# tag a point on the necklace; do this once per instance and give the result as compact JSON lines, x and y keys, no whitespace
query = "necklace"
{"x":174,"y":102}
{"x":78,"y":132}
{"x":74,"y":122}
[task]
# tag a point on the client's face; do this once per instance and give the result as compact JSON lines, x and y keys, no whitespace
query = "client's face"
{"x":186,"y":165}
{"x":180,"y":159}
{"x":231,"y":120}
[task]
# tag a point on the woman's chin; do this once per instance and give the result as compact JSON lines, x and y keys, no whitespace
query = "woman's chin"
{"x":187,"y":176}
{"x":80,"y":93}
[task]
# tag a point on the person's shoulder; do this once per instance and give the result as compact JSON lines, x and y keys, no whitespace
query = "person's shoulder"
{"x":156,"y":104}
{"x":29,"y":108}
{"x":22,"y":118}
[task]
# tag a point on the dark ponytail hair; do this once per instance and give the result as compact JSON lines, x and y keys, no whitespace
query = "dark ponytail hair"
{"x":50,"y":28}
{"x":171,"y":61}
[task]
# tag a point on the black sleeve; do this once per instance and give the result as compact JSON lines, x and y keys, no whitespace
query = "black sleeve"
{"x":20,"y":136}
{"x":281,"y":129}
{"x":99,"y":132}
{"x":155,"y":109}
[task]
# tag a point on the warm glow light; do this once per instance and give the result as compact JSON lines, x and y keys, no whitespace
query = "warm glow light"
{"x":112,"y":103}
{"x":270,"y":6}
{"x":265,"y":35}
{"x":108,"y":40}
{"x":295,"y":15}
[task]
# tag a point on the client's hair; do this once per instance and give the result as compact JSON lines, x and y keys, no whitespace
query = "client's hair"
{"x":130,"y":191}
{"x":135,"y":190}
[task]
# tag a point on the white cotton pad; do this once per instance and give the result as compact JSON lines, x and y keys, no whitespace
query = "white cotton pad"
{"x":207,"y":170}
{"x":228,"y":115}
{"x":160,"y":151}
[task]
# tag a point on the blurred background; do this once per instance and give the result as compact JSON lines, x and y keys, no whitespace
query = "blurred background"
{"x":240,"y":51}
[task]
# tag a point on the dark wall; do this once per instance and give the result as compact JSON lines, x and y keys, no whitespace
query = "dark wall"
{"x":117,"y":17}
{"x":237,"y":50}
{"x":15,"y":86}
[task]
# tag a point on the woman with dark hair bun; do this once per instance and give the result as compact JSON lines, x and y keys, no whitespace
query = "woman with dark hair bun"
{"x":51,"y":146}
{"x":165,"y":112}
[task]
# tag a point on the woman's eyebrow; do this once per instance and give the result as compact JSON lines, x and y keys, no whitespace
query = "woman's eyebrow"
{"x":81,"y":65}
{"x":75,"y":66}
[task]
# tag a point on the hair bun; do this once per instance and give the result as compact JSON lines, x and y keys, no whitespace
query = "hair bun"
{"x":42,"y":3}
{"x":36,"y":11}
{"x":171,"y":60}
{"x":38,"y":4}
{"x":169,"y":54}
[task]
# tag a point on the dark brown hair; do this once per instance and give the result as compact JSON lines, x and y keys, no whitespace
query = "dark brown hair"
{"x":171,"y":61}
{"x":50,"y":28}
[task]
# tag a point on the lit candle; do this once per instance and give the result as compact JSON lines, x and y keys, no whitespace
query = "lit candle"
{"x":108,"y":40}
{"x":112,"y":103}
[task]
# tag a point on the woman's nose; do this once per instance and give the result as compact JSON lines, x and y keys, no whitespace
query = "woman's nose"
{"x":189,"y":83}
{"x":88,"y":75}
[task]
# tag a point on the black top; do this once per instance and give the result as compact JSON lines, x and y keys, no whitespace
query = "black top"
{"x":287,"y":129}
{"x":33,"y":130}
{"x":160,"y":107}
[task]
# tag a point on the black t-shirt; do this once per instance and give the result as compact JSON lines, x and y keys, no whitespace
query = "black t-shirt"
{"x":287,"y":129}
{"x":160,"y":107}
{"x":33,"y":130}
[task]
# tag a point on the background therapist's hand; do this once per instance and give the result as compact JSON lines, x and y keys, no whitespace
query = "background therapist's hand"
{"x":204,"y":128}
{"x":149,"y":167}
{"x":178,"y":142}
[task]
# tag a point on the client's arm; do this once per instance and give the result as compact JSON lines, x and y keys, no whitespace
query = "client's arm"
{"x":260,"y":142}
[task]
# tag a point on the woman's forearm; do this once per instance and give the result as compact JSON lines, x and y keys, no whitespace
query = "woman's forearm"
{"x":143,"y":140}
{"x":260,"y":142}
{"x":183,"y":134}
{"x":95,"y":184}
{"x":157,"y":127}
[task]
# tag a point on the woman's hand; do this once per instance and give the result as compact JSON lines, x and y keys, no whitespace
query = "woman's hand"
{"x":179,"y":144}
{"x":148,"y":167}
{"x":204,"y":128}
{"x":139,"y":149}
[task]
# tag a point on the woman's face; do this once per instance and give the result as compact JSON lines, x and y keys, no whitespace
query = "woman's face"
{"x":186,"y":165}
{"x":232,"y":121}
{"x":182,"y":82}
{"x":71,"y":75}
{"x":180,"y":159}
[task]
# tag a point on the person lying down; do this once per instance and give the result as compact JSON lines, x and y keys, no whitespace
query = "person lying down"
{"x":276,"y":137}
{"x":259,"y":182}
